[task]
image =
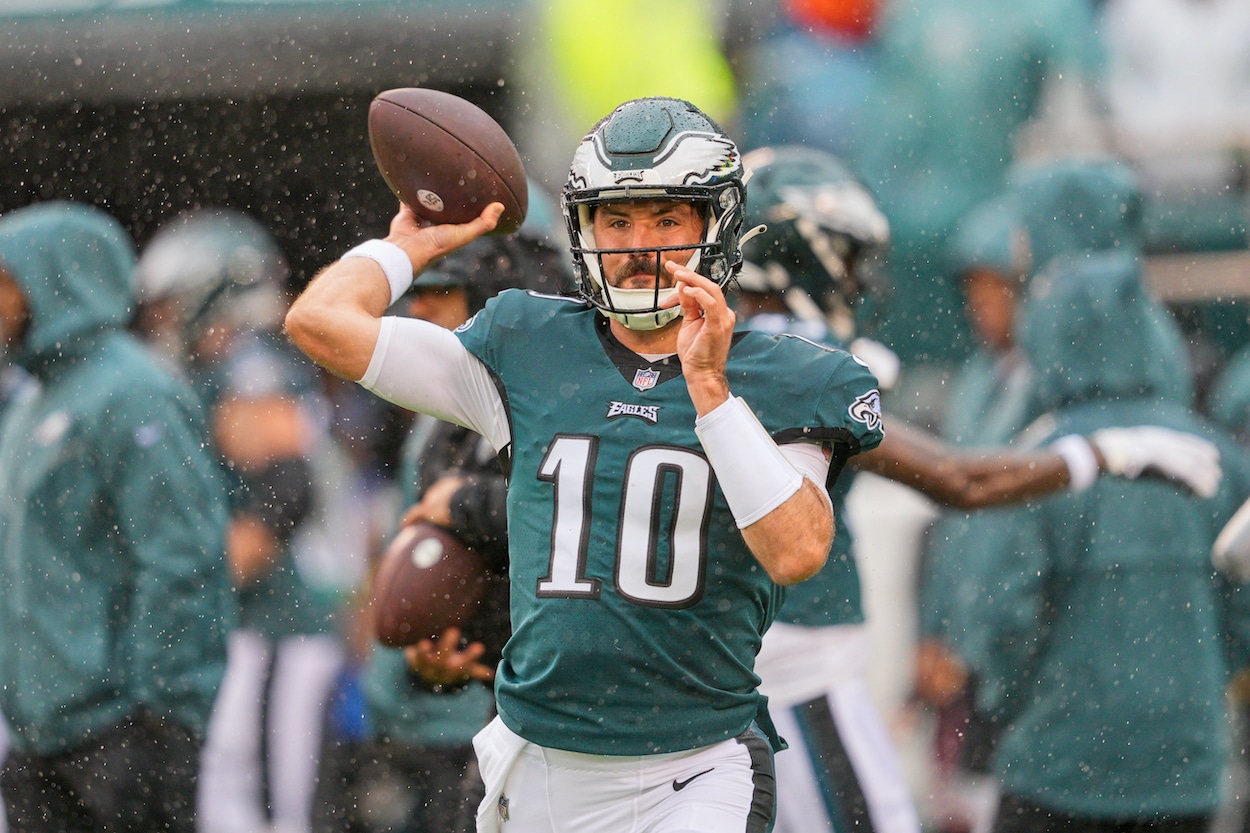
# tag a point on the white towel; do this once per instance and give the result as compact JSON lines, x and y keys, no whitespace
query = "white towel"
{"x":497,"y":749}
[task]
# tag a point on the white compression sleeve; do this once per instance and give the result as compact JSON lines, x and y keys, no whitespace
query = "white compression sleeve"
{"x":754,"y":475}
{"x":810,"y":461}
{"x":424,"y":367}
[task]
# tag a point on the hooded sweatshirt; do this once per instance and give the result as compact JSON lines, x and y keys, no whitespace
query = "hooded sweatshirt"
{"x":1068,"y":212}
{"x":1105,"y":635}
{"x":114,"y":592}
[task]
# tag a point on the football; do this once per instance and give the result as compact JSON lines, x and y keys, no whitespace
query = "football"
{"x":427,"y":581}
{"x":446,"y":158}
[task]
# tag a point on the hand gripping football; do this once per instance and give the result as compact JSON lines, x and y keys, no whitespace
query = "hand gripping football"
{"x":446,"y":158}
{"x":427,"y":581}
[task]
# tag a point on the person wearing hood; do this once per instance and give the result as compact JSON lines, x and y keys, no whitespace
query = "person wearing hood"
{"x":990,"y":399}
{"x":1105,"y":636}
{"x":115,"y":598}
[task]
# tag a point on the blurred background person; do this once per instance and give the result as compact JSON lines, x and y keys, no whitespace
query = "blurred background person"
{"x":114,"y":588}
{"x":212,"y":286}
{"x":989,"y":401}
{"x":991,"y":255}
{"x":1102,"y":637}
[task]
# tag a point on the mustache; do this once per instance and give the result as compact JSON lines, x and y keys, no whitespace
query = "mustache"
{"x":636,"y":265}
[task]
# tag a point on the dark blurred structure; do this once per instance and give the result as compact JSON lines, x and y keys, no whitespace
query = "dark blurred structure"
{"x":259,"y":107}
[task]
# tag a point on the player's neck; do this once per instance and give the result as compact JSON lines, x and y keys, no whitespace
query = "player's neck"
{"x":661,"y":342}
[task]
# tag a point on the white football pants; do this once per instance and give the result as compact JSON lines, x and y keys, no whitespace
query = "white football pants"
{"x":267,"y":724}
{"x":841,"y":771}
{"x":723,"y":788}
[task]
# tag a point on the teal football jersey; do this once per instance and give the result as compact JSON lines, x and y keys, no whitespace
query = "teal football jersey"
{"x":637,"y":608}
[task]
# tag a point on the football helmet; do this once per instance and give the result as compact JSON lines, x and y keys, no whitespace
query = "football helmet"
{"x":654,"y":149}
{"x":212,"y":268}
{"x":821,"y":223}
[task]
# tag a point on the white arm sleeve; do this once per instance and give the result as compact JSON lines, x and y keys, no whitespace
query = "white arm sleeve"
{"x":810,"y":460}
{"x":424,"y":367}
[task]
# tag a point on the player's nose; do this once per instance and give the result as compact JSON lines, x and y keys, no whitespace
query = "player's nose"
{"x":642,"y":236}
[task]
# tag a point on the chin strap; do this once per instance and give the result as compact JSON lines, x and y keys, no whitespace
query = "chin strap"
{"x":643,"y":320}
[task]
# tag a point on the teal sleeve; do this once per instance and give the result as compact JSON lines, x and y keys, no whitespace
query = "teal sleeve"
{"x":475,"y":333}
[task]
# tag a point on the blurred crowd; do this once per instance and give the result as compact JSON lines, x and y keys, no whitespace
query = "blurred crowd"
{"x":1038,"y":165}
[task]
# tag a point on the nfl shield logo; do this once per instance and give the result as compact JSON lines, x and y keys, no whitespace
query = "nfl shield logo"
{"x":646,"y":378}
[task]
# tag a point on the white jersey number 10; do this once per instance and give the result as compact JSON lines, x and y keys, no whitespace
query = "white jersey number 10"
{"x":644,"y":515}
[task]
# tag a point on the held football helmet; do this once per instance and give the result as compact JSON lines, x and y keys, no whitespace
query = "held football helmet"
{"x":654,"y":149}
{"x":822,"y":227}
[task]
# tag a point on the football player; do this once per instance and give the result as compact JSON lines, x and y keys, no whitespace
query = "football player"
{"x":668,"y":478}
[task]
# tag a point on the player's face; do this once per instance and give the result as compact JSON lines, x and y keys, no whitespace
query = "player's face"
{"x":14,"y":312}
{"x":643,"y":224}
{"x":991,"y":306}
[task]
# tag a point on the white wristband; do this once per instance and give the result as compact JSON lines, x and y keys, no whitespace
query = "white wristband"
{"x":393,"y":260}
{"x":1082,"y":463}
{"x":754,"y":475}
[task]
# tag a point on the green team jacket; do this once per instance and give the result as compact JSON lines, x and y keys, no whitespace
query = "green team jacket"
{"x":114,"y":593}
{"x":637,"y":609}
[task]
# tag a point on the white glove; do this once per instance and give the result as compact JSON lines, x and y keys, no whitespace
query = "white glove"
{"x":881,"y":360}
{"x":1185,"y":458}
{"x":1231,"y":553}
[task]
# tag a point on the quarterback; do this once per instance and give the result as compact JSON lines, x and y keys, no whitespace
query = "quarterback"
{"x":667,"y":478}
